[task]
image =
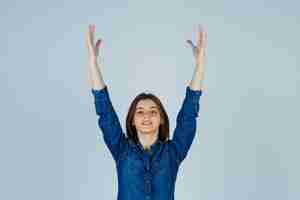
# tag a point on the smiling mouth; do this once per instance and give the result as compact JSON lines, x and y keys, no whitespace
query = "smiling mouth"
{"x":147,"y":124}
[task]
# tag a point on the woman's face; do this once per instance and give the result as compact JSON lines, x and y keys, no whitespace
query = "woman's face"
{"x":147,"y":117}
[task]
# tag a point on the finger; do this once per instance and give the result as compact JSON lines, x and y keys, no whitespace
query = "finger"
{"x":191,"y":44}
{"x":91,"y":39}
{"x":200,"y":35}
{"x":98,"y":43}
{"x":194,"y":48}
{"x":92,"y":31}
{"x":204,"y":38}
{"x":93,"y":27}
{"x":88,"y":41}
{"x":88,"y":36}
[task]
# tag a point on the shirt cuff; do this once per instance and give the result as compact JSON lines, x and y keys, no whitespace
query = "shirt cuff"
{"x":101,"y":94}
{"x":193,"y":95}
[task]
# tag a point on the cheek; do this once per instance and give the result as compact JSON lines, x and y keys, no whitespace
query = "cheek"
{"x":136,"y":120}
{"x":157,"y":120}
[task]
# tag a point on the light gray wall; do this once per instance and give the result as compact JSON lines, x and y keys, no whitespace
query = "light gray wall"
{"x":247,"y":139}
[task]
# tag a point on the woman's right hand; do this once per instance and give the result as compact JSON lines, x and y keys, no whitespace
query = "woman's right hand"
{"x":93,"y":49}
{"x":94,"y":72}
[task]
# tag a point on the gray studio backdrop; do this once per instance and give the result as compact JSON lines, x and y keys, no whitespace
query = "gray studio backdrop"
{"x":247,"y":138}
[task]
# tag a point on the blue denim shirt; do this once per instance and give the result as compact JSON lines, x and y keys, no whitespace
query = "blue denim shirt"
{"x":147,"y":174}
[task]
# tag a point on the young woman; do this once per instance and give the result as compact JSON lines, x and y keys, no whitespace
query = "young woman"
{"x":147,"y":161}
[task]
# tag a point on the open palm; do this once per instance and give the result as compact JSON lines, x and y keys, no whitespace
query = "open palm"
{"x":93,"y":49}
{"x":199,"y":48}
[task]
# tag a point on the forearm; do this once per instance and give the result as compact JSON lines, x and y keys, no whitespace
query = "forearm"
{"x":197,"y":79}
{"x":95,"y":76}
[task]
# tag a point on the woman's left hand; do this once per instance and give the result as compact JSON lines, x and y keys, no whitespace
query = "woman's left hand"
{"x":199,"y":48}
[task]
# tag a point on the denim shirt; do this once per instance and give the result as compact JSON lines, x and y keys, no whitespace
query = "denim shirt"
{"x":147,"y":174}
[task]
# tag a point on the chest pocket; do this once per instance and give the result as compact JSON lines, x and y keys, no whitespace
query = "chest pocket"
{"x":161,"y":165}
{"x":135,"y":164}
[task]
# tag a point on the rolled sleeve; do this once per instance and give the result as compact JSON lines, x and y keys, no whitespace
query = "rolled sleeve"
{"x":102,"y":101}
{"x":185,"y":129}
{"x":190,"y":107}
{"x":100,"y":94}
{"x":193,"y":95}
{"x":109,"y":122}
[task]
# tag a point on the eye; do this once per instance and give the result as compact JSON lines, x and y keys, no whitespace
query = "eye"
{"x":154,"y":112}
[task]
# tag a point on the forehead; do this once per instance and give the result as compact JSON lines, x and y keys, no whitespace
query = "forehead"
{"x":146,"y":103}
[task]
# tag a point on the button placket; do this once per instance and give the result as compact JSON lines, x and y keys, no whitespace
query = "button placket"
{"x":147,"y":179}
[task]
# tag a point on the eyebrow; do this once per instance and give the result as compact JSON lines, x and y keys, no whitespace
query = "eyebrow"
{"x":150,"y":107}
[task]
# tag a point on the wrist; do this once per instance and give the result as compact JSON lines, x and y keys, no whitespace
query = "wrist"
{"x":93,"y":63}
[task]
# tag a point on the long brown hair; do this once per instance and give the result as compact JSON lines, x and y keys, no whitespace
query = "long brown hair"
{"x":163,"y":134}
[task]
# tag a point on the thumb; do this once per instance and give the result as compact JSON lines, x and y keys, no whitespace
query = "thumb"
{"x":191,"y":43}
{"x":97,"y":46}
{"x":194,"y":48}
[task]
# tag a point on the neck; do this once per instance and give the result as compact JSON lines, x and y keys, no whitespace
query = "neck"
{"x":147,"y":139}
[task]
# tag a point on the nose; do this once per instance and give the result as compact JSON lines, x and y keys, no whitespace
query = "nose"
{"x":147,"y":115}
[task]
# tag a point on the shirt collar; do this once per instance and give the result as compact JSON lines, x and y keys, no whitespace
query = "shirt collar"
{"x":151,"y":148}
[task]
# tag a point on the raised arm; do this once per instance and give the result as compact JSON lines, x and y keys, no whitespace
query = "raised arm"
{"x":186,"y":123}
{"x":108,"y":120}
